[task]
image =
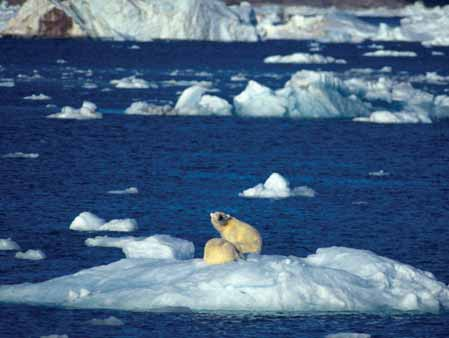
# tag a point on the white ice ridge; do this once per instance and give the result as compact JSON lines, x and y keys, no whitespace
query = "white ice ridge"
{"x":86,"y":112}
{"x":7,"y":244}
{"x":38,"y":97}
{"x":132,"y":82}
{"x":87,"y":221}
{"x":34,"y":255}
{"x":155,"y":247}
{"x":130,"y":190}
{"x":21,"y":155}
{"x":332,"y":279}
{"x":391,"y":53}
{"x":276,"y":186}
{"x":303,"y":58}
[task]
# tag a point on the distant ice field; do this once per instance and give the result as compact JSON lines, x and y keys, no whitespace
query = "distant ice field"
{"x":188,"y":166}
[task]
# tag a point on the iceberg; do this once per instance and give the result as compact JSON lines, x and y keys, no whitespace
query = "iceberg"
{"x":303,"y":58}
{"x":34,"y":255}
{"x":276,"y":187}
{"x":21,"y":155}
{"x":86,"y":112}
{"x":87,"y":221}
{"x":7,"y":244}
{"x":332,"y":279}
{"x":155,"y":247}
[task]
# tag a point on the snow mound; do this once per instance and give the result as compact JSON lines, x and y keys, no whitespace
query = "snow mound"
{"x":132,"y":82}
{"x":8,"y":245}
{"x":332,"y":279}
{"x":86,"y":112}
{"x":33,"y":255}
{"x":39,"y":97}
{"x":387,"y":117}
{"x":110,"y":321}
{"x":87,"y":221}
{"x":155,"y":247}
{"x":144,"y":108}
{"x":303,"y":58}
{"x":130,"y":190}
{"x":276,"y":186}
{"x":193,"y":101}
{"x":390,"y":53}
{"x":21,"y":155}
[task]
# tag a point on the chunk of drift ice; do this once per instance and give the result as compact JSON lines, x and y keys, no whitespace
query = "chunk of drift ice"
{"x":332,"y":279}
{"x":303,"y":58}
{"x":390,"y":53}
{"x":86,"y":112}
{"x":56,"y":336}
{"x":39,"y":97}
{"x":144,"y":108}
{"x":8,"y":245}
{"x":132,"y":83}
{"x":21,"y":155}
{"x":276,"y":186}
{"x":379,"y":173}
{"x":193,"y":101}
{"x":130,"y":190}
{"x":155,"y":247}
{"x":110,"y":321}
{"x":387,"y":117}
{"x":87,"y":221}
{"x":348,"y":335}
{"x":33,"y":255}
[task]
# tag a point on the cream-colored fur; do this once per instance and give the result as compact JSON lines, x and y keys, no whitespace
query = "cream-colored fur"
{"x":219,"y":251}
{"x":242,"y":235}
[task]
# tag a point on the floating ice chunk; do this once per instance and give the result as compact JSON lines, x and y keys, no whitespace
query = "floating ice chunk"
{"x":110,"y":321}
{"x":130,"y":190}
{"x":391,"y":53}
{"x":90,"y":85}
{"x":239,"y":77}
{"x":437,"y":53}
{"x":348,"y":335}
{"x":155,"y":247}
{"x":87,"y":221}
{"x":332,"y":279}
{"x":61,"y":61}
{"x":56,"y":336}
{"x":257,"y":100}
{"x":86,"y":112}
{"x":7,"y":83}
{"x":21,"y":155}
{"x":144,"y":108}
{"x":379,"y":173}
{"x":276,"y":186}
{"x":303,"y":58}
{"x":132,"y":82}
{"x":431,"y":77}
{"x":39,"y":97}
{"x":8,"y":245}
{"x":398,"y":117}
{"x":193,"y":102}
{"x":33,"y":255}
{"x":186,"y":83}
{"x":134,"y":47}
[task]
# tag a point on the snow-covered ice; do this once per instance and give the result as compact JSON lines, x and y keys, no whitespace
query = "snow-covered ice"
{"x":145,"y":108}
{"x":155,"y":247}
{"x":21,"y":155}
{"x":109,"y":321}
{"x":87,"y":221}
{"x":386,"y":117}
{"x":391,"y":53}
{"x":34,"y":255}
{"x":303,"y":58}
{"x":194,"y":101}
{"x":86,"y":112}
{"x":38,"y":97}
{"x":132,"y":82}
{"x":332,"y":279}
{"x":276,"y":186}
{"x":7,"y":244}
{"x":130,"y":190}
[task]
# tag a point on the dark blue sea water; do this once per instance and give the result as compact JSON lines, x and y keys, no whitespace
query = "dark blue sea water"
{"x":186,"y":167}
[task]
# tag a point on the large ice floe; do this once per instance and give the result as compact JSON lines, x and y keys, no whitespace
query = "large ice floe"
{"x":303,"y":58}
{"x":276,"y":186}
{"x":332,"y":279}
{"x":87,"y":221}
{"x":86,"y":112}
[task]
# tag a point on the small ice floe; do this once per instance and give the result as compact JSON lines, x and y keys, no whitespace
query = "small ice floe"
{"x":375,"y":46}
{"x":33,"y":255}
{"x":34,"y":76}
{"x":432,"y":78}
{"x":87,"y":221}
{"x":38,"y":97}
{"x":144,"y":108}
{"x":61,"y":61}
{"x":86,"y":112}
{"x":194,"y":101}
{"x":387,"y":117}
{"x":21,"y":155}
{"x":379,"y":173}
{"x":56,"y":336}
{"x":391,"y":53}
{"x":186,"y":83}
{"x":155,"y":247}
{"x":359,"y":203}
{"x":437,"y":53}
{"x":89,"y":85}
{"x":348,"y":335}
{"x":110,"y":321}
{"x":134,"y":47}
{"x":7,"y":83}
{"x":130,"y":190}
{"x":303,"y":58}
{"x":7,"y":244}
{"x":132,"y":82}
{"x":276,"y":187}
{"x":240,"y":77}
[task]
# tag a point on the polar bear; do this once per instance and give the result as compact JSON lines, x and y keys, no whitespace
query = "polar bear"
{"x":242,"y":235}
{"x":219,"y":251}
